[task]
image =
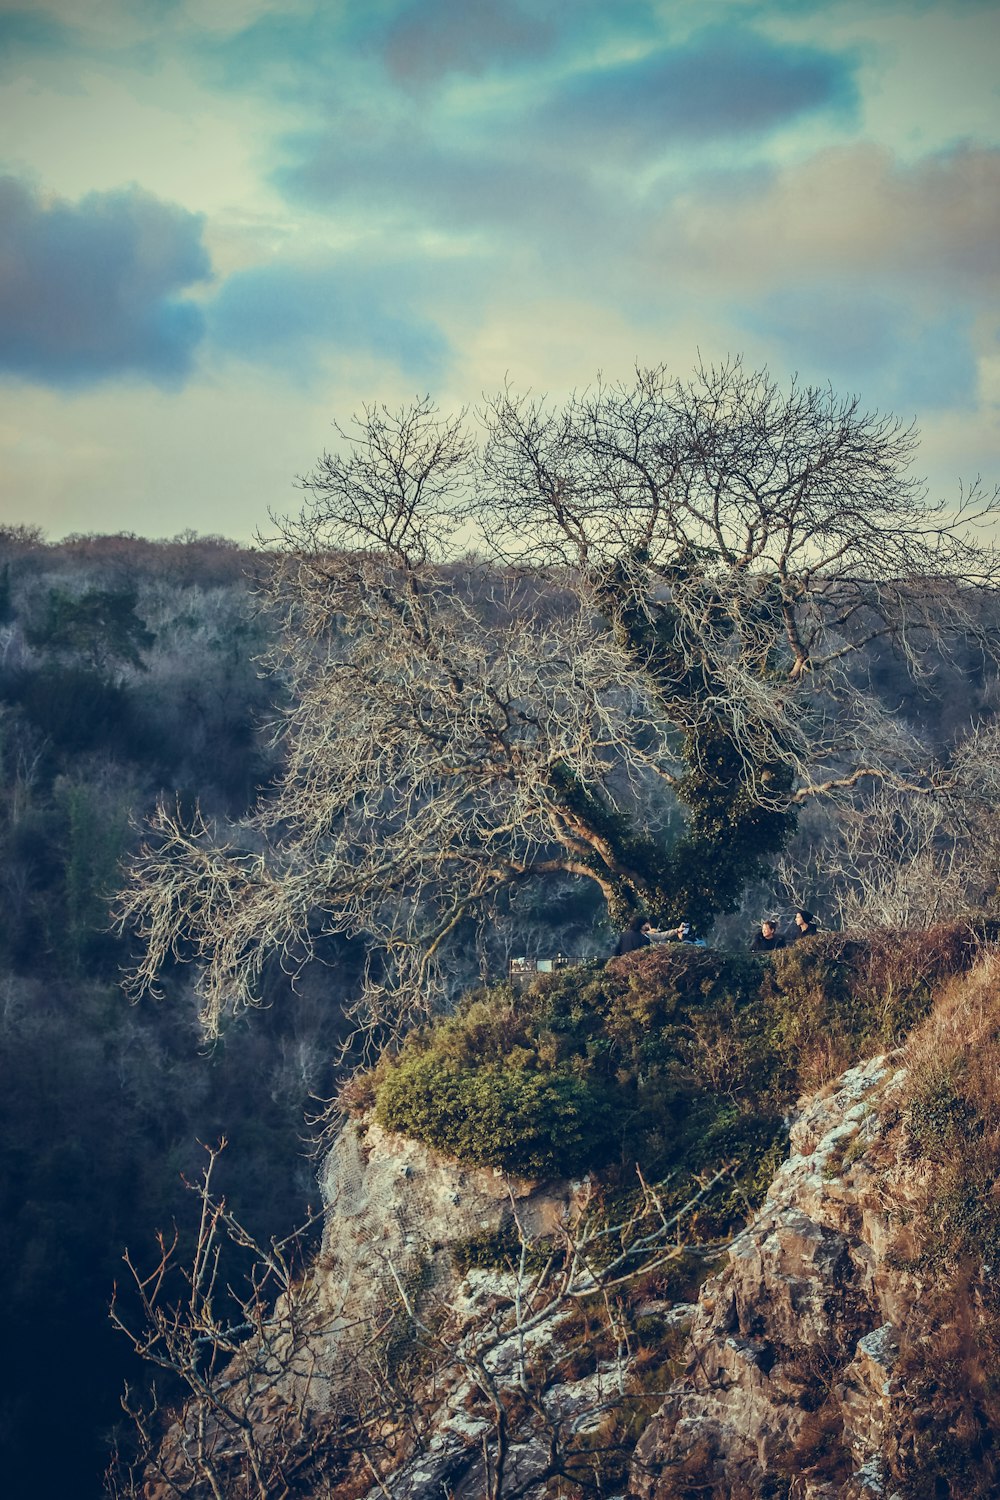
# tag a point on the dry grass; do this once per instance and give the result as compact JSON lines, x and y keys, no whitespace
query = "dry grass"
{"x":965,"y":1018}
{"x":950,"y":1354}
{"x":954,"y":1055}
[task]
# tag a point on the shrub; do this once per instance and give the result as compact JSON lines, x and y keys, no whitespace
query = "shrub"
{"x":838,"y":997}
{"x":673,"y":1057}
{"x":501,"y":1249}
{"x":588,"y":1066}
{"x":489,"y":1250}
{"x":534,"y":1124}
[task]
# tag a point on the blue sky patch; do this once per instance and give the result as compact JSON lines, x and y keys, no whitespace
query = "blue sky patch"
{"x":296,"y":318}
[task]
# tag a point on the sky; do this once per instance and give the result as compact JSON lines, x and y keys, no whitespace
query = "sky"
{"x":228,"y":224}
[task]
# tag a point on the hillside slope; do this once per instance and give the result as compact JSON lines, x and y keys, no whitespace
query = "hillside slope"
{"x":465,"y":1333}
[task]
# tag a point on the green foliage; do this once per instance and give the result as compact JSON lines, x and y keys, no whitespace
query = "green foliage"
{"x":731,"y":833}
{"x":674,"y":1057}
{"x":100,"y":626}
{"x":728,"y":841}
{"x":646,"y":859}
{"x":937,"y":1116}
{"x":499,"y":1249}
{"x":536,"y":1124}
{"x":589,"y":1067}
{"x":489,"y":1250}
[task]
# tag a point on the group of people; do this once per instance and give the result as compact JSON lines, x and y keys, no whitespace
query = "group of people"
{"x":640,"y":933}
{"x":770,"y":936}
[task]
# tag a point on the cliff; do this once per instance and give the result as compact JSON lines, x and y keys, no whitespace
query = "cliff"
{"x":789,"y":1381}
{"x":847,"y":1349}
{"x":465,"y":1334}
{"x":373,"y":1368}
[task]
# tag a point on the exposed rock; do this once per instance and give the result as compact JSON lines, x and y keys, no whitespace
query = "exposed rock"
{"x":396,"y":1211}
{"x":787,"y":1386}
{"x":788,"y":1382}
{"x":396,"y":1214}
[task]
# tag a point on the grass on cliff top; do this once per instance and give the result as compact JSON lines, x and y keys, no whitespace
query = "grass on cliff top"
{"x":949,"y":1358}
{"x":672,"y":1057}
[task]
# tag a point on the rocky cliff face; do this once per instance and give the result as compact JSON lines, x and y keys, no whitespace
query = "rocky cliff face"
{"x":786,"y":1381}
{"x":790,"y":1386}
{"x":787,"y":1385}
{"x":380,"y":1370}
{"x":400,"y":1219}
{"x":396,"y":1211}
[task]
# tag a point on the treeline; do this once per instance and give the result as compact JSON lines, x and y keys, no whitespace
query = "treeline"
{"x":127,"y":672}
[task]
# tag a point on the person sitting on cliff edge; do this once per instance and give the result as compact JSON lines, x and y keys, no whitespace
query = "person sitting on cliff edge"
{"x":682,"y":933}
{"x":768,"y":939}
{"x":805,"y":924}
{"x":633,"y":937}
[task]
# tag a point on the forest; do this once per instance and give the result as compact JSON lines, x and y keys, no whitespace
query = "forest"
{"x":127,"y":671}
{"x":303,"y":797}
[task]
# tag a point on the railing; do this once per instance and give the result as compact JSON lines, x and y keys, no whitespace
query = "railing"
{"x":521,"y":970}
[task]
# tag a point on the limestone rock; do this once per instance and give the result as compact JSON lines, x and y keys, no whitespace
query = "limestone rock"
{"x":788,"y":1383}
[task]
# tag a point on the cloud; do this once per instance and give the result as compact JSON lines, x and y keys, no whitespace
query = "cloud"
{"x":850,"y":211}
{"x":394,"y":175}
{"x":431,"y":38}
{"x":416,"y":43}
{"x":295,"y":317}
{"x":720,"y":84}
{"x":538,"y":176}
{"x":307,"y":54}
{"x":24,"y":31}
{"x":90,"y":291}
{"x":850,"y":265}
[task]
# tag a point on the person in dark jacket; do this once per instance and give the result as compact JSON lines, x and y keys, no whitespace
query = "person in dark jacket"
{"x":768,"y":939}
{"x":632,"y":938}
{"x":805,"y":924}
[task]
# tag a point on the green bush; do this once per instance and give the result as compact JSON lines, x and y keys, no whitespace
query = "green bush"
{"x":675,"y":1057}
{"x":531,"y":1123}
{"x":502,"y":1249}
{"x":589,"y":1066}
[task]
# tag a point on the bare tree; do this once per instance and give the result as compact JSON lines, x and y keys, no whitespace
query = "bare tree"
{"x":887,"y":858}
{"x":259,"y":1417}
{"x":746,"y":544}
{"x":289,"y":1391}
{"x":678,"y":582}
{"x":433,"y":709}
